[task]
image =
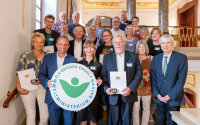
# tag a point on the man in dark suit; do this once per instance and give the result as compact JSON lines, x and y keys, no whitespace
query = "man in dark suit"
{"x":50,"y":35}
{"x":168,"y":75}
{"x":49,"y":66}
{"x":121,"y":105}
{"x":76,"y":45}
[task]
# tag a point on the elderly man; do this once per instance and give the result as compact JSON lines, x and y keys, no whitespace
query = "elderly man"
{"x":50,"y":35}
{"x":168,"y":75}
{"x":116,"y":31}
{"x":124,"y":21}
{"x":62,"y":19}
{"x":76,"y":45}
{"x":49,"y":66}
{"x":75,"y":19}
{"x":121,"y":105}
{"x":64,"y":31}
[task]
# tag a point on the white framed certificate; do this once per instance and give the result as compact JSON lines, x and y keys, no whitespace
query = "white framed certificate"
{"x":25,"y":78}
{"x":48,"y":49}
{"x":118,"y":81}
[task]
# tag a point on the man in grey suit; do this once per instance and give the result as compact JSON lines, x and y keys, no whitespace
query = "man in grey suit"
{"x":121,"y":105}
{"x":168,"y":75}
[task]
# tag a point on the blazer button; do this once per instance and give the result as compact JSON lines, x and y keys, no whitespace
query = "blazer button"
{"x":163,"y":80}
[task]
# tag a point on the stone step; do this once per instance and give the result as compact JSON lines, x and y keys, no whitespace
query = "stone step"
{"x":192,"y":114}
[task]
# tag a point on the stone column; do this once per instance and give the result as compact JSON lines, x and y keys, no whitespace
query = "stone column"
{"x":131,"y":8}
{"x":163,"y":15}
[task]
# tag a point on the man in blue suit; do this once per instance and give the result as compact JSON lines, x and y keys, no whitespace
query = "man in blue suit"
{"x":49,"y":66}
{"x":168,"y":75}
{"x":121,"y":105}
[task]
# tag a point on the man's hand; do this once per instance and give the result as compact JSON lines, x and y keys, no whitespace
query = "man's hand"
{"x":49,"y":84}
{"x":166,"y":98}
{"x":99,"y":81}
{"x":108,"y":91}
{"x":126,"y":91}
{"x":22,"y":91}
{"x":161,"y":98}
{"x":37,"y":83}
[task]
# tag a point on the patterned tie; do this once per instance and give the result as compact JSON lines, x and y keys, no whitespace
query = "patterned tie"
{"x":165,"y":65}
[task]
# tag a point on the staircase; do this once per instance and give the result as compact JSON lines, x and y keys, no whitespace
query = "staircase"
{"x":186,"y":116}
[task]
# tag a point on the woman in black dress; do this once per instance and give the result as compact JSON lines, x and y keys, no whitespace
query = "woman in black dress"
{"x":93,"y":112}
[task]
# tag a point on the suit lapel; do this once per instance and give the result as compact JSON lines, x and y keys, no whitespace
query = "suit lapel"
{"x":126,"y":58}
{"x":66,"y":60}
{"x":54,"y":60}
{"x":170,"y":64}
{"x":160,"y":59}
{"x":114,"y":61}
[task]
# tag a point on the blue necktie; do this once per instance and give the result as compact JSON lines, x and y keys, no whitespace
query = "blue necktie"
{"x":165,"y":65}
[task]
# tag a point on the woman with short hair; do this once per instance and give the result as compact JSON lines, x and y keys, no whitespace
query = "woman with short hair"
{"x":154,"y":47}
{"x":95,"y":39}
{"x":33,"y":59}
{"x":144,"y":35}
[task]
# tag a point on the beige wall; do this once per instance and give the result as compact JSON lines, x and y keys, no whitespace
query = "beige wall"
{"x":14,"y":40}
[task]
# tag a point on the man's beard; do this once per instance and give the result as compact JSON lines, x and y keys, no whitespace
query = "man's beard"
{"x":118,"y":51}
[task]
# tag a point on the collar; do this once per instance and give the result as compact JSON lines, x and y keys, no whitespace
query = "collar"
{"x":59,"y":57}
{"x":168,"y":55}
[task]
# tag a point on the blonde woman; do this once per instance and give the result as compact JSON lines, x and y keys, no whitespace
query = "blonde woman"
{"x":98,"y":23}
{"x":131,"y":41}
{"x":28,"y":60}
{"x":144,"y":89}
{"x":93,"y":112}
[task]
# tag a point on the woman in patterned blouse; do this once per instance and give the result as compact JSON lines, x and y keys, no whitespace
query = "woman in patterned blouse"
{"x":144,"y":90}
{"x":32,"y":59}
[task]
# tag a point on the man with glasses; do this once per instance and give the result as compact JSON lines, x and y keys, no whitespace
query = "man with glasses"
{"x":50,"y":35}
{"x":116,"y":31}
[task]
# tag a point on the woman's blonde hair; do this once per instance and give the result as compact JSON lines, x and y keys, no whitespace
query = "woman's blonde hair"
{"x":145,"y":45}
{"x":37,"y":34}
{"x":101,"y":22}
{"x":89,"y":43}
{"x":130,"y":25}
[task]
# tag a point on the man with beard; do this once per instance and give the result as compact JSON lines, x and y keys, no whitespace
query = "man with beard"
{"x":121,"y":105}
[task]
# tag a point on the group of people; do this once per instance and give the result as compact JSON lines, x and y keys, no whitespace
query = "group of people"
{"x":152,"y":69}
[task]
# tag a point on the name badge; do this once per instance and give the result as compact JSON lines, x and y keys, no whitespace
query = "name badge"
{"x":111,"y":49}
{"x":93,"y":67}
{"x":129,"y":64}
{"x":130,"y":44}
{"x":157,"y":48}
{"x":51,"y":39}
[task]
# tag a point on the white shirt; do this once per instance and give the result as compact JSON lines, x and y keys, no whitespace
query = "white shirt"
{"x":168,"y":58}
{"x":78,"y":50}
{"x":120,"y":62}
{"x":60,"y":61}
{"x":117,"y":32}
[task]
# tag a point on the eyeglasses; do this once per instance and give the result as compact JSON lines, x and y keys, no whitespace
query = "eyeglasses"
{"x":106,"y":35}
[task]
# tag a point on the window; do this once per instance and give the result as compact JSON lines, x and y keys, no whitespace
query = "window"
{"x":38,"y":14}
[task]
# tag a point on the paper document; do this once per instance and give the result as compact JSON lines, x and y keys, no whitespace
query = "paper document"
{"x":48,"y":49}
{"x":25,"y":78}
{"x":118,"y":81}
{"x":101,"y":58}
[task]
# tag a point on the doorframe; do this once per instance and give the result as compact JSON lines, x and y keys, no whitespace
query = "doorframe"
{"x":187,"y":6}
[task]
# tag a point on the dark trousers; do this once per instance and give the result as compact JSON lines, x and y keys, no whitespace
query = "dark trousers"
{"x":56,"y":113}
{"x":163,"y":113}
{"x":120,"y":114}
